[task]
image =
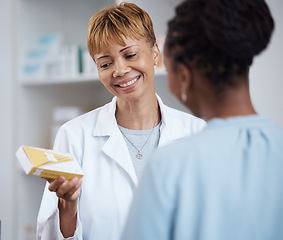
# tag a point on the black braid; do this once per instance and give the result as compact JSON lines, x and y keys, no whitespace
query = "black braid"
{"x":222,"y":36}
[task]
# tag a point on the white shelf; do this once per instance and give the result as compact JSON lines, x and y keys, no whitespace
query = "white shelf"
{"x":81,"y":79}
{"x":61,"y":80}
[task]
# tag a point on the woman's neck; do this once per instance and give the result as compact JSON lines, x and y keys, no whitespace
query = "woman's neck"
{"x":235,"y":102}
{"x":138,"y":115}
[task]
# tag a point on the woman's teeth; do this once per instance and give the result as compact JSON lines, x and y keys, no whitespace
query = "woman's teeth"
{"x":129,"y":83}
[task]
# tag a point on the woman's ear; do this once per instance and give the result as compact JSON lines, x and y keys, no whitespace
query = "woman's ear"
{"x":156,"y":53}
{"x":184,"y":76}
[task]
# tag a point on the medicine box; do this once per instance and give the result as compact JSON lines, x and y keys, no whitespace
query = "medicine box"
{"x":47,"y":163}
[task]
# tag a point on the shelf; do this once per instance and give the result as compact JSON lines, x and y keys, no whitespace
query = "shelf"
{"x":57,"y":81}
{"x":71,"y":80}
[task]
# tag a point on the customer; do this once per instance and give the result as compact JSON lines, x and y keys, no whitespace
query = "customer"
{"x":224,"y":183}
{"x":112,"y":142}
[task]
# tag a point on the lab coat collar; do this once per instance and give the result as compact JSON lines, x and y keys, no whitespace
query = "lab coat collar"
{"x":106,"y":122}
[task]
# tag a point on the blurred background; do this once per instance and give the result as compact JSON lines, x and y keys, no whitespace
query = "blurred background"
{"x":47,"y":78}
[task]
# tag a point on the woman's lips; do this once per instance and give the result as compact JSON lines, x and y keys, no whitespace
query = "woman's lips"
{"x":127,"y":84}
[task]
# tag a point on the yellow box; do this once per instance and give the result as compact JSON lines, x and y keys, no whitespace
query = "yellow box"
{"x":48,"y":163}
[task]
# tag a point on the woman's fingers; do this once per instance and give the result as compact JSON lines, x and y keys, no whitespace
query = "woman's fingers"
{"x":68,"y":190}
{"x":55,"y":184}
{"x":74,"y":192}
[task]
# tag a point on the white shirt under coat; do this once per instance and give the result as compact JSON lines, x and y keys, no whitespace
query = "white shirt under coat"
{"x":109,"y":175}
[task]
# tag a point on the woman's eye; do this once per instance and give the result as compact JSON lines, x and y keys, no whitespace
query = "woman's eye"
{"x":131,"y":55}
{"x":105,"y":65}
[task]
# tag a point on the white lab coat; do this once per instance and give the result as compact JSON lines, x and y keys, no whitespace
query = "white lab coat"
{"x":109,"y":175}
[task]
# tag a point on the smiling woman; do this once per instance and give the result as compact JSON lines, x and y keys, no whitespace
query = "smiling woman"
{"x":112,"y":143}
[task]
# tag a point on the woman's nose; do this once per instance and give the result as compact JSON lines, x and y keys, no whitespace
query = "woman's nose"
{"x":121,"y":68}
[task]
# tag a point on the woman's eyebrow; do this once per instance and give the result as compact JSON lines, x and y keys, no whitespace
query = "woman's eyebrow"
{"x":123,"y":49}
{"x":127,"y":47}
{"x":104,"y":56}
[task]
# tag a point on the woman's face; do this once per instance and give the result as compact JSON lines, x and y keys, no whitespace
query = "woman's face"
{"x":127,"y":71}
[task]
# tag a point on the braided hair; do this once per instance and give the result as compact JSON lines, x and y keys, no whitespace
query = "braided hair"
{"x":219,"y":36}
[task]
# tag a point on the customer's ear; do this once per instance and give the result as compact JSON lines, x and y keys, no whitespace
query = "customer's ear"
{"x":184,"y":76}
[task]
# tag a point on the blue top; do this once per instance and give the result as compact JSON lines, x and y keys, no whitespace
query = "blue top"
{"x":225,"y":183}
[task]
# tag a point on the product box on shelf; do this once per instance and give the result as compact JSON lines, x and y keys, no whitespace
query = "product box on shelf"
{"x":47,"y":163}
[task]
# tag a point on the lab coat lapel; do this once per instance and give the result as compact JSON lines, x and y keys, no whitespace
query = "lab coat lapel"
{"x":115,"y":147}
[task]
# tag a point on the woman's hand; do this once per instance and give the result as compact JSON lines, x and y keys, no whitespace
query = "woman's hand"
{"x":66,"y":190}
{"x":67,"y":193}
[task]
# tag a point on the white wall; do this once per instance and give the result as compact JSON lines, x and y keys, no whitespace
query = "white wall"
{"x":160,"y":12}
{"x":7,"y":186}
{"x":266,"y":79}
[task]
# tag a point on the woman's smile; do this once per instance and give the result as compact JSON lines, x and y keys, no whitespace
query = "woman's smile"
{"x":129,"y":83}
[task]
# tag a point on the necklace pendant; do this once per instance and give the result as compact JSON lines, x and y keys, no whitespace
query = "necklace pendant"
{"x":139,"y":155}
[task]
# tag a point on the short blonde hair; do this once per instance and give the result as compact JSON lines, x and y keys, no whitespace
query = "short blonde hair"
{"x":116,"y":22}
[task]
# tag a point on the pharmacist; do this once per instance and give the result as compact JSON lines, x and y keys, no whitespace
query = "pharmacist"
{"x":112,"y":142}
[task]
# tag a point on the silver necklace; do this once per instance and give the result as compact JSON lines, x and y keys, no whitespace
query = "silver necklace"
{"x":139,"y":155}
